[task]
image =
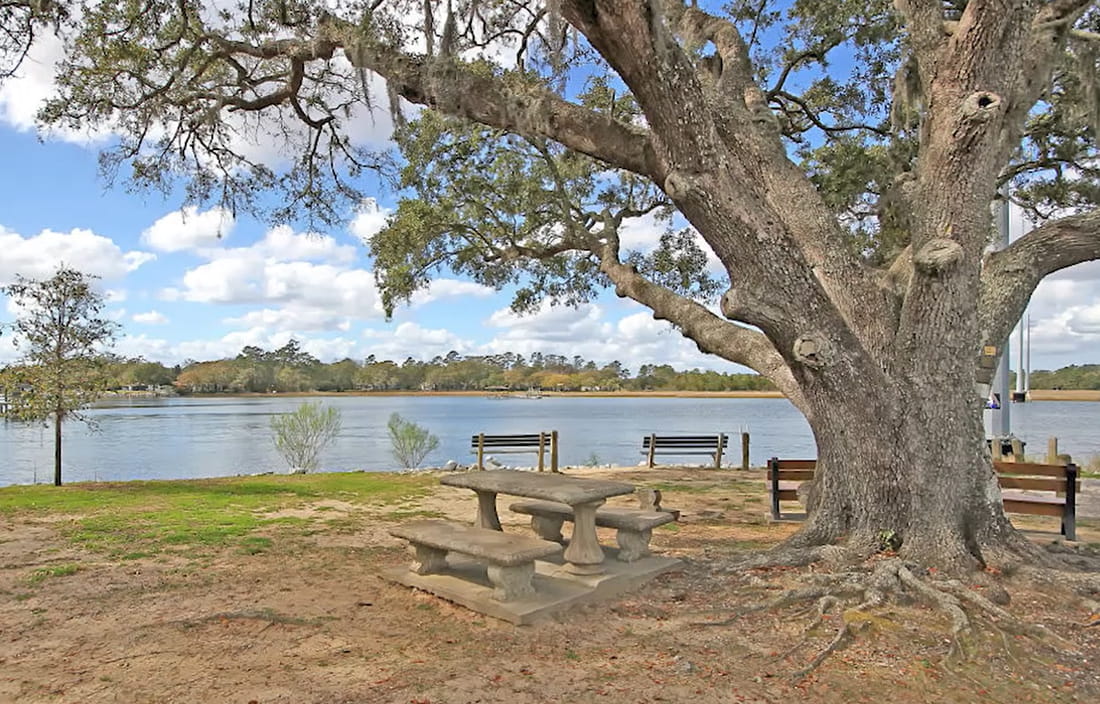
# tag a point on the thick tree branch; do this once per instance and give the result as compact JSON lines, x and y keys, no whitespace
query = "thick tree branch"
{"x":1010,"y":276}
{"x":526,"y":109}
{"x":710,"y":333}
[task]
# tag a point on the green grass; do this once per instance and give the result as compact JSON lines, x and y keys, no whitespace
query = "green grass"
{"x":44,"y":573}
{"x":130,"y":519}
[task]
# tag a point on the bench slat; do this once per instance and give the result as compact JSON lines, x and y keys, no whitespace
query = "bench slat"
{"x":793,"y":474}
{"x":1033,"y":483}
{"x":1035,"y":507}
{"x":793,"y":464}
{"x":1043,"y":470}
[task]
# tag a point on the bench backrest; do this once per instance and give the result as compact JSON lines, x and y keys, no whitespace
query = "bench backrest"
{"x":538,"y":443}
{"x":521,"y":440}
{"x":685,"y":441}
{"x":1031,"y":476}
{"x":791,"y":470}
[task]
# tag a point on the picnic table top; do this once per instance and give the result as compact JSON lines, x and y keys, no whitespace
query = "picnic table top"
{"x":549,"y":487}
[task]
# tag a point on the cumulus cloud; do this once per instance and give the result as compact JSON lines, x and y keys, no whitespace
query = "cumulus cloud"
{"x":23,"y":95}
{"x":370,"y":220}
{"x":411,"y":340}
{"x":587,"y":331}
{"x":150,"y":318}
{"x":439,"y":289}
{"x":39,"y":256}
{"x":189,"y":229}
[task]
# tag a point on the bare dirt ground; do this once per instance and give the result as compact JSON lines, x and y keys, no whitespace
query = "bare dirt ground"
{"x":309,"y":621}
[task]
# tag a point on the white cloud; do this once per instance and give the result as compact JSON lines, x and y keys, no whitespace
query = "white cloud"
{"x":370,"y":220}
{"x":188,"y":229}
{"x":150,"y":318}
{"x":283,"y":244}
{"x":23,"y":95}
{"x":40,"y":256}
{"x":439,"y":289}
{"x":411,"y":340}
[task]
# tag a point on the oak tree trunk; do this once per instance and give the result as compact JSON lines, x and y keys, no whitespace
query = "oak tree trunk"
{"x":904,"y":466}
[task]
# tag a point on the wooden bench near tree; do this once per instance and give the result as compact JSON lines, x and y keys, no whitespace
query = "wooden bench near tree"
{"x":1019,"y":482}
{"x":539,"y":443}
{"x":713,"y":446}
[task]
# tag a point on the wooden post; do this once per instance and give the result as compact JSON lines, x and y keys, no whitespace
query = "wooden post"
{"x":1069,"y":515}
{"x":718,"y":454}
{"x":997,"y":449}
{"x":554,"y":451}
{"x":745,"y":451}
{"x":481,"y":451}
{"x":652,"y":447}
{"x":1052,"y":450}
{"x":542,"y":449}
{"x":1017,"y":450}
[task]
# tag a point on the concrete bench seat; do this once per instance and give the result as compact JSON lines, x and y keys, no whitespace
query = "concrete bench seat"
{"x":510,"y":558}
{"x":634,"y":526}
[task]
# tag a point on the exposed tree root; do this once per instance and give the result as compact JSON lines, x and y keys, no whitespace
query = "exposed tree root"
{"x":854,"y":595}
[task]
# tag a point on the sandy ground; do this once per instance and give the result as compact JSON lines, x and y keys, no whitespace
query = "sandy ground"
{"x":310,"y":621}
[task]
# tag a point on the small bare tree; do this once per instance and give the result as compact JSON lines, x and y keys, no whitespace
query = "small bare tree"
{"x":302,"y":435}
{"x":411,"y":442}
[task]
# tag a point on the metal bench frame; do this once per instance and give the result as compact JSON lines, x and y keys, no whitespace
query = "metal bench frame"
{"x":711,"y":445}
{"x":505,"y":444}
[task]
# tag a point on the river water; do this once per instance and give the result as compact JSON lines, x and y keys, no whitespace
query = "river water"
{"x":209,"y":437}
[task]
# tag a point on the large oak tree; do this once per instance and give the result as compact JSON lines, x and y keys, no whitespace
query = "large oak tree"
{"x":839,"y":159}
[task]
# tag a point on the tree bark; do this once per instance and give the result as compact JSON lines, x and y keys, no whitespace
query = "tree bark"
{"x":57,"y":448}
{"x":905,"y":462}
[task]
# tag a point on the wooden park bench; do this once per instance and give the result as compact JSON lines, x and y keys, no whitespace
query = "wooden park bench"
{"x":634,"y":526}
{"x":711,"y":445}
{"x":503,"y":444}
{"x":1023,"y":479}
{"x":510,"y":558}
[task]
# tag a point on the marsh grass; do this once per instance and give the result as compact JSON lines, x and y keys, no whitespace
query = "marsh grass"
{"x":127,"y":520}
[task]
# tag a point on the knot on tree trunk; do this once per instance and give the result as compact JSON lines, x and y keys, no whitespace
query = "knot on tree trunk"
{"x":813,"y":350}
{"x":736,"y":305}
{"x":680,"y":184}
{"x":938,"y":255}
{"x":981,"y":106}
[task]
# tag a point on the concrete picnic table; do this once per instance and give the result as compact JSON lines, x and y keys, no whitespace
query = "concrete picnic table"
{"x":584,"y":496}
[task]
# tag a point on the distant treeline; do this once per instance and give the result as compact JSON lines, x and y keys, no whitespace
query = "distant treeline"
{"x":1083,"y":376}
{"x":290,"y":369}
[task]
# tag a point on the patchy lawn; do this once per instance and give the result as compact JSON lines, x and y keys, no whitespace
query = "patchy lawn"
{"x":264,"y":590}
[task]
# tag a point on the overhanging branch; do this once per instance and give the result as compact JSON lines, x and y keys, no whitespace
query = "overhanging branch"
{"x":1010,"y":276}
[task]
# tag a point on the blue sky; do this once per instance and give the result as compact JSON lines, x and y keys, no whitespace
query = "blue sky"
{"x":199,"y":284}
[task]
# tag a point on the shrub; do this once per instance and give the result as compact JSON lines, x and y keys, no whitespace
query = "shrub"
{"x":302,"y":435}
{"x":411,"y":443}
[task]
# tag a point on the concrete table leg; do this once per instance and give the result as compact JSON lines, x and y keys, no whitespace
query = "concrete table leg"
{"x":584,"y":554}
{"x":487,"y":510}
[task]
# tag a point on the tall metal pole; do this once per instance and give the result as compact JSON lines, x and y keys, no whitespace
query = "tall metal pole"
{"x":1000,"y":422}
{"x":1027,"y":356}
{"x":1020,"y":360}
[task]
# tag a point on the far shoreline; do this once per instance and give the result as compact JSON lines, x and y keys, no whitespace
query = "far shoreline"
{"x":1092,"y":395}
